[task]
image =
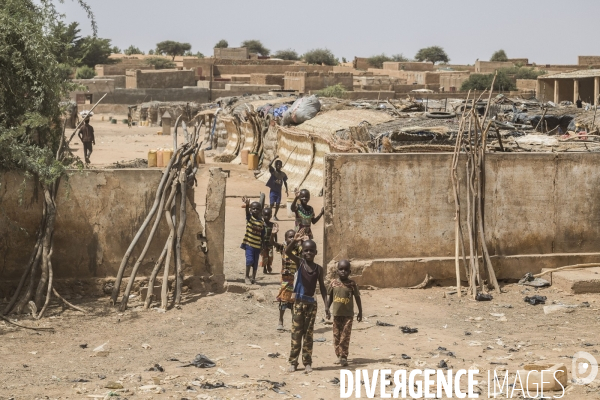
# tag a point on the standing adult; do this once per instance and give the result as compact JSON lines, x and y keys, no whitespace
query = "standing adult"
{"x":86,"y":134}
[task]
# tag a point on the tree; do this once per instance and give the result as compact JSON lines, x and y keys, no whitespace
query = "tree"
{"x":522,"y":72}
{"x":196,"y":54}
{"x":377,"y":61}
{"x":399,"y":58}
{"x":151,"y":52}
{"x":85,"y":72}
{"x":287,"y":54}
{"x":159,"y":62}
{"x":222,"y":44}
{"x":68,"y":43}
{"x":432,"y":54}
{"x":115,"y":50}
{"x":256,"y":46}
{"x":484,"y":81}
{"x":332,"y":91}
{"x":31,"y":137}
{"x":499,"y":55}
{"x":320,"y":56}
{"x":95,"y":51}
{"x":172,"y":48}
{"x":132,"y":50}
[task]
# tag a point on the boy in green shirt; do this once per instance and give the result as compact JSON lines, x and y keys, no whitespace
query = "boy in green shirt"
{"x":340,"y":294}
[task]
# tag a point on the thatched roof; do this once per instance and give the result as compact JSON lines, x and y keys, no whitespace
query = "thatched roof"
{"x":326,"y":124}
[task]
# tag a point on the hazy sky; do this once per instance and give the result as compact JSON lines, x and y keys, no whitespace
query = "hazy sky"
{"x":545,"y":31}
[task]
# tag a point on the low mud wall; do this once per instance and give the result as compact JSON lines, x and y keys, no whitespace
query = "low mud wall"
{"x":98,"y":214}
{"x":393,"y":214}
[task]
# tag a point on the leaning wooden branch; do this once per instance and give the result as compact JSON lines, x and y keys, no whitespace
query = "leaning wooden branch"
{"x":49,"y":329}
{"x":568,"y":267}
{"x":170,"y":203}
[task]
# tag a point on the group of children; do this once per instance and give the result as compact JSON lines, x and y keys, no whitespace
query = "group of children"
{"x":299,"y":273}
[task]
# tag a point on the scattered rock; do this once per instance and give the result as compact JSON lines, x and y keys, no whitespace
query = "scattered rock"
{"x":113,"y":385}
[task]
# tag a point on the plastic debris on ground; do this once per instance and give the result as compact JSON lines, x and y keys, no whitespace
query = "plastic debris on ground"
{"x":530,"y":280}
{"x":534,"y":300}
{"x":406,"y":329}
{"x":201,"y":361}
{"x":483,"y":297}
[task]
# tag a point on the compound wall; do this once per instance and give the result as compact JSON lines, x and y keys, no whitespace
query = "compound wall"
{"x":98,"y":214}
{"x":393,"y":214}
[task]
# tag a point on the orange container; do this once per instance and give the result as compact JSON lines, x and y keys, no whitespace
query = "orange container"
{"x":252,"y":161}
{"x":167,"y":154}
{"x":159,"y":158}
{"x":244,"y":156}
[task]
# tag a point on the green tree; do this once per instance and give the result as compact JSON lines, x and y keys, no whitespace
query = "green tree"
{"x":31,"y":136}
{"x":255,"y":46}
{"x":115,"y":50}
{"x":484,"y":81}
{"x":132,"y":50}
{"x":399,"y":58}
{"x":151,"y":52}
{"x":432,"y":54}
{"x":95,"y":51}
{"x":320,"y":56}
{"x":172,"y":48}
{"x":377,"y":61}
{"x":85,"y":72}
{"x":499,"y":55}
{"x":67,"y":42}
{"x":159,"y":62}
{"x":332,"y":91}
{"x":196,"y":54}
{"x":522,"y":72}
{"x":287,"y":54}
{"x":222,"y":44}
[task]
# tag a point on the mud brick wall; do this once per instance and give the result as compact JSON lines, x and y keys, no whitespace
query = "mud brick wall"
{"x":393,"y":214}
{"x":98,"y":214}
{"x":162,"y":79}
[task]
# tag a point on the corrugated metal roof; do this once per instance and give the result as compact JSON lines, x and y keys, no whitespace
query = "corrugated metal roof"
{"x":583,"y":73}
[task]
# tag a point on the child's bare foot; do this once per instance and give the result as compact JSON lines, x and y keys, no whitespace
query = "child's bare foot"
{"x":344,"y":361}
{"x":247,"y":281}
{"x":292,"y":368}
{"x":307,"y":369}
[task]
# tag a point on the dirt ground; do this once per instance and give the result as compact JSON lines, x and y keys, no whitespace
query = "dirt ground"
{"x":238,"y":330}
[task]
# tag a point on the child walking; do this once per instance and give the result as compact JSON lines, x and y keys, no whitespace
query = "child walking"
{"x":276,"y":181}
{"x":266,"y":259}
{"x":285,"y":297}
{"x":253,"y":239}
{"x":305,"y":214}
{"x":305,"y":304}
{"x":340,"y":294}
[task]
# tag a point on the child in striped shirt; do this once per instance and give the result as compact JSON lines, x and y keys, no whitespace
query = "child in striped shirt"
{"x":253,"y":239}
